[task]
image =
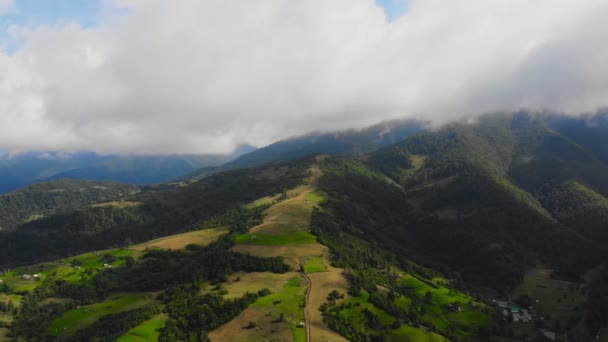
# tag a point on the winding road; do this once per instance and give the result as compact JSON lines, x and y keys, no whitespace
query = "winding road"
{"x":300,"y":269}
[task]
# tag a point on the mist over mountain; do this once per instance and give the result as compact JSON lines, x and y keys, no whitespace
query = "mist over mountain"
{"x":22,"y":169}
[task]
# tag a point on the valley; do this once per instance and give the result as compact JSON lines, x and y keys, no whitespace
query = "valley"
{"x":445,"y":236}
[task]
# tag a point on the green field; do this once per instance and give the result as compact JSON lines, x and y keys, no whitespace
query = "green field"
{"x":295,"y":237}
{"x":407,"y":333}
{"x":291,"y":298}
{"x":557,"y":300}
{"x":316,"y":197}
{"x":147,"y":331}
{"x":441,"y":295}
{"x":314,"y":265}
{"x":353,"y":313}
{"x":76,"y":319}
{"x":262,"y":201}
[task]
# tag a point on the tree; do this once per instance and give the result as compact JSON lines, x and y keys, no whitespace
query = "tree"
{"x":428,"y":297}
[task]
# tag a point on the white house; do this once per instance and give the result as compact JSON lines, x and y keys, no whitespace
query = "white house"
{"x":26,"y":277}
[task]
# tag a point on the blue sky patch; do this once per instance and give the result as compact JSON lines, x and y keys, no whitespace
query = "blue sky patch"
{"x":394,"y":9}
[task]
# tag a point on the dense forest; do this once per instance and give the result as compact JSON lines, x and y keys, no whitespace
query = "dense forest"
{"x":44,"y":199}
{"x":157,"y":213}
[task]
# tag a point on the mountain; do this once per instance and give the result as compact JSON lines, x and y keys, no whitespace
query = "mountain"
{"x":416,"y":240}
{"x":142,"y":169}
{"x":43,"y":199}
{"x":501,"y":194}
{"x":140,"y":217}
{"x":350,"y":143}
{"x":23,"y":169}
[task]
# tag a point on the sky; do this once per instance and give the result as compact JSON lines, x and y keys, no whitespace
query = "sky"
{"x":202,"y":76}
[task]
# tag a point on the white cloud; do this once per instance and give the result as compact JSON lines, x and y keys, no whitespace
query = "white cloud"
{"x":201,"y":76}
{"x":6,"y":6}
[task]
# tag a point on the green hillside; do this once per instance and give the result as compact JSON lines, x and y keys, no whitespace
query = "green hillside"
{"x":38,"y":200}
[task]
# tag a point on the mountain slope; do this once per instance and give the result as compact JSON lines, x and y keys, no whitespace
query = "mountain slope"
{"x":43,"y":199}
{"x":483,"y":193}
{"x":351,"y":143}
{"x":23,"y":169}
{"x":143,"y":216}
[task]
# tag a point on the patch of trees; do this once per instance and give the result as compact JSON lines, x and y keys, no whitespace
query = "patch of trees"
{"x":159,"y":269}
{"x":111,"y":327}
{"x":192,"y":316}
{"x":54,"y":197}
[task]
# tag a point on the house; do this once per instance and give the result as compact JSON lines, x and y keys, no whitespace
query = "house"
{"x":1,"y":281}
{"x":525,"y":316}
{"x":37,"y":276}
{"x":548,"y":334}
{"x":454,"y":307}
{"x":26,"y":277}
{"x":301,"y":325}
{"x":277,"y":301}
{"x":253,"y":237}
{"x":505,"y":314}
{"x":77,"y":267}
{"x":502,"y":304}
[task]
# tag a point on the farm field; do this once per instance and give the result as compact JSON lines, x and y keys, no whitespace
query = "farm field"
{"x":79,"y":318}
{"x":92,"y":263}
{"x":557,"y":300}
{"x":354,"y":314}
{"x":284,"y":232}
{"x":179,"y":241}
{"x":262,"y":201}
{"x":287,"y":298}
{"x":297,"y":237}
{"x":147,"y":331}
{"x":255,"y":281}
{"x":314,"y":264}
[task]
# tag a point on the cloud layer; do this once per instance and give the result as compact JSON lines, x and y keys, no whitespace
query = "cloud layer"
{"x":202,"y":76}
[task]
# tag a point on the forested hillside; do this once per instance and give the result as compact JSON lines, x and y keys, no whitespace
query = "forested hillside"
{"x":498,"y":195}
{"x":351,"y":143}
{"x":427,"y":231}
{"x":144,"y":216}
{"x":39,"y":200}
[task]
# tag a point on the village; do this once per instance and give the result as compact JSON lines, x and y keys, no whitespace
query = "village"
{"x":513,"y":313}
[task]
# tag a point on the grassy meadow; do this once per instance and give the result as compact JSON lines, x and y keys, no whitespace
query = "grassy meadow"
{"x":78,"y":318}
{"x":147,"y":331}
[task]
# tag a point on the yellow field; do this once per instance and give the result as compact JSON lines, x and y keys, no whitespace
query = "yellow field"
{"x":117,"y":204}
{"x":322,"y":284}
{"x":294,"y":213}
{"x":253,"y":282}
{"x":199,"y":237}
{"x":263,"y":200}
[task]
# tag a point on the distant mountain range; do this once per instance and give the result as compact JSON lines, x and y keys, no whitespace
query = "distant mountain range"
{"x":473,"y":205}
{"x":23,"y":169}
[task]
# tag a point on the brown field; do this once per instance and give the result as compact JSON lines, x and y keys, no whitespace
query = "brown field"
{"x":266,"y":329}
{"x":199,"y":237}
{"x":3,"y":334}
{"x":253,"y":282}
{"x":322,"y":284}
{"x":291,"y":214}
{"x":117,"y":204}
{"x":288,"y":251}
